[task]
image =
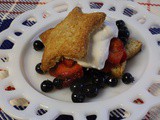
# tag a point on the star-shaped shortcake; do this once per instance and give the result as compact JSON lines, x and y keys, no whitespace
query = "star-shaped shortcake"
{"x":70,"y":38}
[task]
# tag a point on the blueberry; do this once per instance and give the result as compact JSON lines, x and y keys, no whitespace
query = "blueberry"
{"x":127,"y":78}
{"x":124,"y":40}
{"x":123,"y":28}
{"x":106,"y":77}
{"x":38,"y":69}
{"x":88,"y":71}
{"x":38,"y":45}
{"x":90,"y":90}
{"x":100,"y":80}
{"x":47,"y":86}
{"x":120,"y":23}
{"x":98,"y":72}
{"x":77,"y":86}
{"x":78,"y":97}
{"x":58,"y":83}
{"x":94,"y":72}
{"x":112,"y":82}
{"x":88,"y":74}
{"x":123,"y":33}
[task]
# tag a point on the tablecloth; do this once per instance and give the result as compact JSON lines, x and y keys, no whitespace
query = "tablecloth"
{"x":10,"y":9}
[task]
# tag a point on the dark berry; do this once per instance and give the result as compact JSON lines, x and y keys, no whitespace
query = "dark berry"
{"x":38,"y":69}
{"x":58,"y":83}
{"x":95,"y":73}
{"x":112,"y":82}
{"x":123,"y":28}
{"x":38,"y":45}
{"x":78,"y":97}
{"x":120,"y":23}
{"x":123,"y":33}
{"x":124,"y":40}
{"x":88,"y":71}
{"x":47,"y":86}
{"x":91,"y":90}
{"x":98,"y":72}
{"x":68,"y":82}
{"x":100,"y":80}
{"x":106,"y":77}
{"x":127,"y":78}
{"x":88,"y":74}
{"x":77,"y":86}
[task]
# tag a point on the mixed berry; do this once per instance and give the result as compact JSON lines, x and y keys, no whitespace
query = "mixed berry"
{"x":58,"y":83}
{"x":38,"y":69}
{"x":123,"y":33}
{"x":127,"y":78}
{"x":87,"y":82}
{"x":47,"y":86}
{"x":38,"y":45}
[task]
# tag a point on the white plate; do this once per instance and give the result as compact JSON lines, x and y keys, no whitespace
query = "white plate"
{"x":23,"y":58}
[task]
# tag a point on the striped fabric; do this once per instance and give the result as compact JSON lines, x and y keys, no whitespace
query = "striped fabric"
{"x":9,"y":9}
{"x":41,"y":112}
{"x":20,"y":107}
{"x":129,"y":12}
{"x":4,"y":59}
{"x":4,"y":116}
{"x":7,"y":44}
{"x":155,"y":30}
{"x":95,"y":5}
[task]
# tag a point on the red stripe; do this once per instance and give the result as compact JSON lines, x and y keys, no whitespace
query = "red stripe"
{"x":149,"y":7}
{"x":139,"y":101}
{"x":21,"y":2}
{"x":44,"y":16}
{"x":147,"y":115}
{"x":98,"y":3}
{"x":148,"y":4}
{"x":11,"y":12}
{"x":10,"y":88}
{"x":157,"y":5}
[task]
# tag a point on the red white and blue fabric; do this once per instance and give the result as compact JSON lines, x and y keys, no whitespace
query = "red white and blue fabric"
{"x":10,"y":9}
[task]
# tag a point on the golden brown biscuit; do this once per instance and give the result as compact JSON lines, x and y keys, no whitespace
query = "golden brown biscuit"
{"x":118,"y":70}
{"x":133,"y":47}
{"x":70,"y":37}
{"x":45,"y":34}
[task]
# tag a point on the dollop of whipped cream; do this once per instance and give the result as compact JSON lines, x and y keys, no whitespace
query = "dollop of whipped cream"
{"x":99,"y":43}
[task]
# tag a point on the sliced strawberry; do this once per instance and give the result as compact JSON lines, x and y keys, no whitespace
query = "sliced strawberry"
{"x":115,"y":57}
{"x":108,"y":66}
{"x":69,"y":62}
{"x":116,"y":45}
{"x":124,"y":57}
{"x":117,"y":53}
{"x":66,"y":71}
